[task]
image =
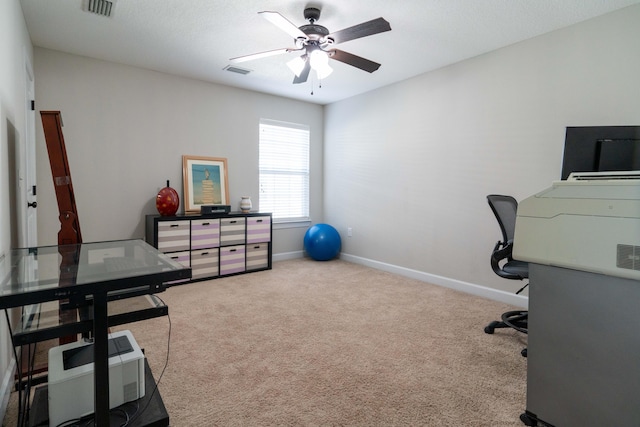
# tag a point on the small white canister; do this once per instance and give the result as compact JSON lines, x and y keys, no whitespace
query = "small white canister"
{"x":245,"y":204}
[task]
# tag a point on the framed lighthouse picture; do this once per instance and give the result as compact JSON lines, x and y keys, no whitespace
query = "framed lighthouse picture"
{"x":205,"y":182}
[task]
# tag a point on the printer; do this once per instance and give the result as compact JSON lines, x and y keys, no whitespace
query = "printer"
{"x":589,"y":222}
{"x":71,"y":378}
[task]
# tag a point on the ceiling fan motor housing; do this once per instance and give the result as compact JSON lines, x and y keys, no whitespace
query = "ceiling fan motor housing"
{"x":312,"y":14}
{"x":314,"y":31}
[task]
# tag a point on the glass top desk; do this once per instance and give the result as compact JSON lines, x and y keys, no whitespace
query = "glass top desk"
{"x":86,"y":276}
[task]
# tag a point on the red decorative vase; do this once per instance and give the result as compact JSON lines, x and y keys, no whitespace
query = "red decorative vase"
{"x":167,"y":201}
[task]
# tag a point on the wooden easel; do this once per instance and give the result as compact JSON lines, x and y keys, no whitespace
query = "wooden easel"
{"x":69,"y":225}
{"x":69,"y":233}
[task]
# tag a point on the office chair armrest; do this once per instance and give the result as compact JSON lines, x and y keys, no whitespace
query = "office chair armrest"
{"x":501,"y":252}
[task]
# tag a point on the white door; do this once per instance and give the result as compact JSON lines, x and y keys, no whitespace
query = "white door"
{"x":28,"y":236}
{"x":30,"y":223}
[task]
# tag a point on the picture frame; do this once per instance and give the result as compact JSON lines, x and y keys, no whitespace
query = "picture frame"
{"x":205,"y":182}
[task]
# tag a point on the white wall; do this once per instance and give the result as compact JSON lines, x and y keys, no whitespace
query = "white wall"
{"x":126,"y":130}
{"x":409,"y":166}
{"x":15,"y":53}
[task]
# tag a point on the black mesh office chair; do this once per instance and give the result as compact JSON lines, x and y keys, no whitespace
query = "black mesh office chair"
{"x":505,"y":208}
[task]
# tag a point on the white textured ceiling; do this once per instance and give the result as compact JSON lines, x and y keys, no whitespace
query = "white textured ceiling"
{"x":196,"y":38}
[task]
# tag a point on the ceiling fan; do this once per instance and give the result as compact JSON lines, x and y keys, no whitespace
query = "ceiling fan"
{"x":315,"y":42}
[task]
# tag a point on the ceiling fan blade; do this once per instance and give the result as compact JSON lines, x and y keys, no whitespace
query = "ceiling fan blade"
{"x":304,"y":75}
{"x":368,"y":28}
{"x":261,"y":55}
{"x":353,"y":60}
{"x":284,"y":24}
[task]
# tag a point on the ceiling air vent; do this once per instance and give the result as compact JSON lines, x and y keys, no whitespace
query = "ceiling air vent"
{"x":99,"y":7}
{"x":238,"y":70}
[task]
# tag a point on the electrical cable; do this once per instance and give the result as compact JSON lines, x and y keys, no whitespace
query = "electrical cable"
{"x":32,"y":363}
{"x":166,"y":363}
{"x":24,"y":391}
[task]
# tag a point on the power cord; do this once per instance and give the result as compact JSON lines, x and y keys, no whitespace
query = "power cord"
{"x":166,"y":363}
{"x":22,"y":388}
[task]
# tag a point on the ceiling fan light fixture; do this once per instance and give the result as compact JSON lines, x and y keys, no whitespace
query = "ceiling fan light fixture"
{"x":296,"y":65}
{"x":319,"y":61}
{"x":324,"y":72}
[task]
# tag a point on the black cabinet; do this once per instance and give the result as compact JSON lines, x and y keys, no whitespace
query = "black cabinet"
{"x":214,"y":245}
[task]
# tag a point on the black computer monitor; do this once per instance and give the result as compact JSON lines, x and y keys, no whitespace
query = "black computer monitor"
{"x":601,"y":149}
{"x":619,"y":154}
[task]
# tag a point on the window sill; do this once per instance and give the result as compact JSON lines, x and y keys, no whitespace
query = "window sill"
{"x":291,"y":224}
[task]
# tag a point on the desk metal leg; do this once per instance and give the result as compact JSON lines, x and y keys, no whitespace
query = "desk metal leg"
{"x":101,"y":359}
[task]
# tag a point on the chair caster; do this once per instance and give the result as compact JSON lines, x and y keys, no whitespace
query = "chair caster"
{"x":491,"y":327}
{"x":528,"y":420}
{"x":524,"y":352}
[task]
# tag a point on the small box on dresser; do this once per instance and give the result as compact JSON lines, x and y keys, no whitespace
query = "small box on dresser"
{"x":205,"y":233}
{"x":174,"y":239}
{"x":204,"y":263}
{"x":233,"y":231}
{"x":258,"y":239}
{"x":173,"y":236}
{"x":214,"y":245}
{"x":232,"y":259}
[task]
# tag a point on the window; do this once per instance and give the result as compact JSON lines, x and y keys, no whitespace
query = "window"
{"x":284,"y":170}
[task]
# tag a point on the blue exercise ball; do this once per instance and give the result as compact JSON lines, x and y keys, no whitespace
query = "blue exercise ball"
{"x":322,"y":242}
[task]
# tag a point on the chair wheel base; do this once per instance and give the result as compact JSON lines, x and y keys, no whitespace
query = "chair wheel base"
{"x":491,"y":327}
{"x":516,"y":319}
{"x":528,"y":420}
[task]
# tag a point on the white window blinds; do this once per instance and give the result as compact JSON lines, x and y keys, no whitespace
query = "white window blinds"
{"x":284,"y":170}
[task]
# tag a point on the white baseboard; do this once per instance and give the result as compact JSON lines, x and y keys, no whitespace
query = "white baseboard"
{"x":288,"y":255}
{"x":469,"y":288}
{"x":6,"y":387}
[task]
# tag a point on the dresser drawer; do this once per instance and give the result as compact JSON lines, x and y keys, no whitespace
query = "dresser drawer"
{"x":258,"y":229}
{"x":204,"y":263}
{"x":174,"y":236}
{"x":183,"y":258}
{"x":232,"y":231}
{"x":232,"y":259}
{"x":257,"y":256}
{"x":205,"y":233}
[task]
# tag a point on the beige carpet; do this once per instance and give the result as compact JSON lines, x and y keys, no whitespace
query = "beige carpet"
{"x":332,"y":344}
